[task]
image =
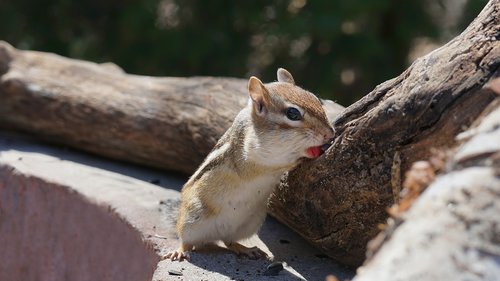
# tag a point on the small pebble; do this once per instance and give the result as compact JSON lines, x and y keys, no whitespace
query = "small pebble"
{"x":273,"y":269}
{"x":174,"y":272}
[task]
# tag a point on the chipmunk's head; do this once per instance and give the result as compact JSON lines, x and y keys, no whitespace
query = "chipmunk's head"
{"x":289,"y":122}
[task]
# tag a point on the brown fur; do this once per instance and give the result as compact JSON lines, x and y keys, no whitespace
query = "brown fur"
{"x":232,"y":185}
{"x":309,"y":102}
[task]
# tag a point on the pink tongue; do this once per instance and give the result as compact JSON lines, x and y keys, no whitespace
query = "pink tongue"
{"x":314,"y":151}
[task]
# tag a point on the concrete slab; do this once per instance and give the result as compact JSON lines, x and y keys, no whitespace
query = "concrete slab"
{"x":133,"y":207}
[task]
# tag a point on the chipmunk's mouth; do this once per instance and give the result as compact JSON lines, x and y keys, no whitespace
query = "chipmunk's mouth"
{"x":314,"y":152}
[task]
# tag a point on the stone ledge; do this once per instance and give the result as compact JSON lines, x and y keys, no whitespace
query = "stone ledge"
{"x":67,"y":215}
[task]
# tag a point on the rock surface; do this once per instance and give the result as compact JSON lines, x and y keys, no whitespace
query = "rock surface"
{"x":67,"y":215}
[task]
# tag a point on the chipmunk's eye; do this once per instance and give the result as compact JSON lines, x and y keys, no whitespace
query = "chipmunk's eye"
{"x":293,"y":114}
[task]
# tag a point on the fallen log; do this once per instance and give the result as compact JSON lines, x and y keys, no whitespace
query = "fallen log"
{"x":169,"y":123}
{"x":336,"y":201}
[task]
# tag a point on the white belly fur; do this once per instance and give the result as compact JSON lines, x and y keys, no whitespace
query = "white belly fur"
{"x":243,"y":210}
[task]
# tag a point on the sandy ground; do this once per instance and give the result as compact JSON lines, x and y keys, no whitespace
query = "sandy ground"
{"x":147,"y":199}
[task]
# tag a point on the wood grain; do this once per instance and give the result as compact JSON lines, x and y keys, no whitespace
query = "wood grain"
{"x":338,"y":201}
{"x":335,"y":202}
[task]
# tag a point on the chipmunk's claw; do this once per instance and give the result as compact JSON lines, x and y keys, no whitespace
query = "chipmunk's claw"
{"x":255,"y":254}
{"x":177,"y":255}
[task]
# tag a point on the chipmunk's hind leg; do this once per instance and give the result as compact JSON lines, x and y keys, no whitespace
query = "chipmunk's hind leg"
{"x":182,"y":253}
{"x":253,"y":253}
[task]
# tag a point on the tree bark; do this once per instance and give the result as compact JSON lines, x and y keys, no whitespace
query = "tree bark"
{"x":168,"y":123}
{"x":336,"y":201}
{"x":455,"y":223}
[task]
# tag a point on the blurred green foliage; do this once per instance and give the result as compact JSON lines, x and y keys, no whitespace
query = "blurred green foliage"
{"x":337,"y":49}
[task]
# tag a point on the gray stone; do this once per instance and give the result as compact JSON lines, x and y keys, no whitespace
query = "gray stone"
{"x":65,"y":215}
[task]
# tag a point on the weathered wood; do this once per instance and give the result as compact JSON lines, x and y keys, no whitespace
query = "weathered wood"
{"x":337,"y":201}
{"x":454,"y":224}
{"x":169,"y":123}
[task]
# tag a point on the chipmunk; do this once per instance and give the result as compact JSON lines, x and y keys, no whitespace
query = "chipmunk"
{"x":226,"y":198}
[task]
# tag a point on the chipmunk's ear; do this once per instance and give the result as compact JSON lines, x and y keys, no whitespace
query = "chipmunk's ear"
{"x":259,"y":95}
{"x":285,"y":76}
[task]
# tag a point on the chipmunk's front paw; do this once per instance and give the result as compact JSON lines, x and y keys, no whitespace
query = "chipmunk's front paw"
{"x":178,"y":254}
